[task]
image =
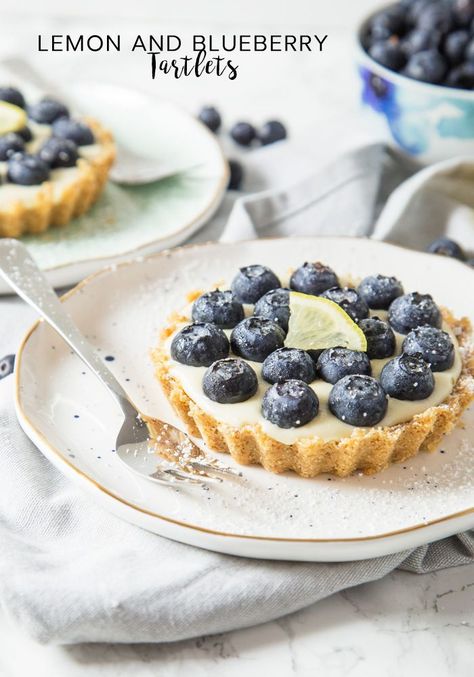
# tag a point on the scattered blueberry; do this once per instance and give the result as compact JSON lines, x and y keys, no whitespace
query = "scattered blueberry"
{"x":428,"y":66}
{"x":271,"y":132}
{"x":229,"y":381}
{"x":407,"y":377}
{"x":27,"y":170}
{"x":388,"y":54}
{"x":358,"y":400}
{"x":236,"y":175}
{"x":434,"y":345}
{"x":59,"y":152}
{"x":243,"y":133}
{"x":76,"y":131}
{"x":413,"y":310}
{"x":210,"y":117}
{"x":349,"y":300}
{"x":446,"y":247}
{"x":255,"y":338}
{"x":9,"y":145}
{"x":12,"y":95}
{"x":199,"y":345}
{"x":291,"y":404}
{"x":7,"y":365}
{"x":218,"y":307}
{"x":380,"y":338}
{"x":252,"y":282}
{"x":313,"y":278}
{"x":47,"y":111}
{"x":288,"y":363}
{"x":378,"y":291}
{"x":335,"y":363}
{"x":275,"y":306}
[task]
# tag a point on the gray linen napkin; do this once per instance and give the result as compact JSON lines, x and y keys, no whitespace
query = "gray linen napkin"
{"x":70,"y":572}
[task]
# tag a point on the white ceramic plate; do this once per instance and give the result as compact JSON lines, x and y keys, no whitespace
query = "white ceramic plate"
{"x":72,"y":420}
{"x":140,"y":219}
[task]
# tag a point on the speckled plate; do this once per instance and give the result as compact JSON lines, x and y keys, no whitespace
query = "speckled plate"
{"x":142,"y":219}
{"x":70,"y":417}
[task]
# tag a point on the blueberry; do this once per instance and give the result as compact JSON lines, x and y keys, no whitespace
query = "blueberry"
{"x":420,"y":40}
{"x":47,"y":111}
{"x":9,"y":145}
{"x":252,"y":282}
{"x":414,"y":9}
{"x":59,"y":152}
{"x":210,"y":117}
{"x":462,"y":76}
{"x":390,"y":21}
{"x":7,"y":365}
{"x":243,"y":133}
{"x":436,"y":16}
{"x":25,"y":134}
{"x":380,"y":338}
{"x":27,"y":170}
{"x":12,"y":95}
{"x":73,"y":130}
{"x":413,"y":310}
{"x":455,"y":46}
{"x":271,"y":132}
{"x":378,"y":291}
{"x":358,"y":400}
{"x":291,"y":404}
{"x":236,"y":175}
{"x":463,"y":12}
{"x":255,"y":338}
{"x":388,"y":54}
{"x":443,"y":246}
{"x":313,"y":278}
{"x":469,"y":54}
{"x":427,"y":66}
{"x":199,"y":345}
{"x":275,"y":306}
{"x":433,"y":344}
{"x":335,"y":363}
{"x":349,"y":300}
{"x":407,"y":377}
{"x":218,"y":307}
{"x":288,"y":363}
{"x":229,"y":381}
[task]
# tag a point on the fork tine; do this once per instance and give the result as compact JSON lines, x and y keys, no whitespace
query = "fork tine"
{"x":171,"y":477}
{"x":210,"y":469}
{"x":191,"y":477}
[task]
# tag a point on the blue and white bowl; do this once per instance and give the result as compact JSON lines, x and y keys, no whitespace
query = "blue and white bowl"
{"x":430,"y":122}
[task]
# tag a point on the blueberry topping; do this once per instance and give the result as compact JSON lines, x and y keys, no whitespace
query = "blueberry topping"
{"x":349,"y":300}
{"x":25,"y":134}
{"x":47,"y":111}
{"x":9,"y":145}
{"x":443,"y":246}
{"x":428,"y":66}
{"x":388,"y":54}
{"x":288,"y":363}
{"x":335,"y":363}
{"x":407,"y":377}
{"x":252,"y":282}
{"x":210,"y":117}
{"x":378,"y":291}
{"x":59,"y":152}
{"x":463,"y":12}
{"x":229,"y":381}
{"x":271,"y":132}
{"x":243,"y":133}
{"x":12,"y":95}
{"x":255,"y":338}
{"x":218,"y":307}
{"x":27,"y":170}
{"x":413,"y":310}
{"x":434,"y":345}
{"x":358,"y":400}
{"x":236,"y":175}
{"x":380,"y":338}
{"x":275,"y":306}
{"x":291,"y":404}
{"x":73,"y":130}
{"x":313,"y":278}
{"x":199,"y":345}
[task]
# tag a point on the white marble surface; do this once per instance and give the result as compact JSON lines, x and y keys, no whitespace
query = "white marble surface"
{"x":400,"y":626}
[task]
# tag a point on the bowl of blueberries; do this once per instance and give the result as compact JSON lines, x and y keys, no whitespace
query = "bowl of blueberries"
{"x":416,"y":64}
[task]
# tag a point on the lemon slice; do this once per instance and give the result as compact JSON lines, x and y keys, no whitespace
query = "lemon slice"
{"x":316,"y":323}
{"x":12,"y":118}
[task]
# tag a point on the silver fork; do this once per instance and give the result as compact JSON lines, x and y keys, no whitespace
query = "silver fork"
{"x":184,"y":462}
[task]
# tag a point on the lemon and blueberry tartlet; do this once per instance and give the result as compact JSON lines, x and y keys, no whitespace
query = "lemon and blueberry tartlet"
{"x":317,"y":376}
{"x":52,"y":167}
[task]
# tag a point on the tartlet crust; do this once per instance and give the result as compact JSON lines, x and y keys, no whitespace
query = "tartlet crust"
{"x":49,"y":210}
{"x":366,"y":450}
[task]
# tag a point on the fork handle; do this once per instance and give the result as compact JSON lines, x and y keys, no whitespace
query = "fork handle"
{"x":21,"y":272}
